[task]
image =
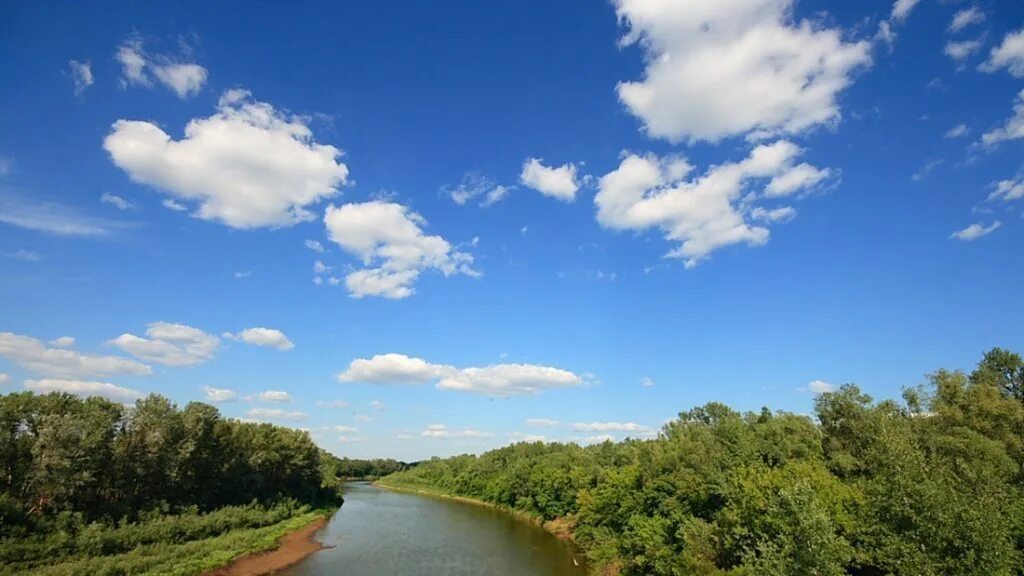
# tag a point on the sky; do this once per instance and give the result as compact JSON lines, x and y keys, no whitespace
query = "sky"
{"x":420,"y":229}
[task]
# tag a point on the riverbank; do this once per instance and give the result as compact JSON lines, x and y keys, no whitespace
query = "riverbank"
{"x":291,"y":549}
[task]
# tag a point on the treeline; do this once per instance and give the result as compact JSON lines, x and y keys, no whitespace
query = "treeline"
{"x":67,"y":461}
{"x":355,"y":469}
{"x":933,"y":485}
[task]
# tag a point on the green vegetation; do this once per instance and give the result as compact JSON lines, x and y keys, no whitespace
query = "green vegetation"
{"x":88,"y":486}
{"x":353,"y":469}
{"x":930,"y":486}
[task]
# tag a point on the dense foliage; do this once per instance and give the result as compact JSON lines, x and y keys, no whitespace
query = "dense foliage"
{"x":351,"y":468}
{"x":929,"y":486}
{"x":69,"y":465}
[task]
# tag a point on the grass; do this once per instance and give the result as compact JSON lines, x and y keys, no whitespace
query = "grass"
{"x":185,"y":557}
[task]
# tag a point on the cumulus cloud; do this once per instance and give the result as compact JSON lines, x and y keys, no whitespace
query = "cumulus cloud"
{"x":170,"y":344}
{"x":116,"y":201}
{"x":555,"y":181}
{"x":248,"y":165}
{"x":83,"y":388}
{"x":646,"y":382}
{"x":4,"y":379}
{"x":609,"y":427}
{"x":81,"y":75}
{"x":820,"y":387}
{"x":33,"y":355}
{"x":975,"y":231}
{"x":63,"y":342}
{"x":273,"y":396}
{"x":716,"y":69}
{"x":494,"y":380}
{"x":267,"y":337}
{"x":219,"y":394}
{"x":703,"y":213}
{"x":1012,"y":129}
{"x":1007,"y":190}
{"x":1009,"y":54}
{"x":443,"y":431}
{"x":966,"y":17}
{"x":476,"y":186}
{"x":542,"y":422}
{"x":961,"y":50}
{"x":389,"y":239}
{"x":276,"y":414}
{"x":183,"y":78}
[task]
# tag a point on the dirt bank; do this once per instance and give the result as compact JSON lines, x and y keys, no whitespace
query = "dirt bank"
{"x":291,"y":549}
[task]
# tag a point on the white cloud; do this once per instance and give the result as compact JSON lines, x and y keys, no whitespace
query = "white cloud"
{"x":647,"y":382}
{"x":171,"y":204}
{"x":63,"y":342}
{"x":219,"y":394}
{"x":779,"y":215}
{"x":557,"y":182}
{"x":4,"y":379}
{"x":723,"y":68}
{"x":81,"y":75}
{"x":442,"y":431}
{"x":170,"y":344}
{"x":389,"y":239}
{"x":902,"y":8}
{"x":274,"y":396}
{"x":475,"y":185}
{"x":183,"y":78}
{"x":820,"y":387}
{"x":242,"y":274}
{"x":966,"y":17}
{"x":83,"y":388}
{"x":494,"y":380}
{"x":975,"y":231}
{"x":26,"y":255}
{"x":1009,"y":54}
{"x":958,"y":131}
{"x":116,"y":201}
{"x":403,"y":437}
{"x":344,"y":429}
{"x":542,"y":422}
{"x":314,"y":245}
{"x":597,"y":439}
{"x":33,"y":355}
{"x":1008,"y":190}
{"x":267,"y":337}
{"x":705,"y":213}
{"x":926,"y":169}
{"x":320,"y":268}
{"x":609,"y":427}
{"x":1012,"y":129}
{"x":276,"y":414}
{"x":393,"y":369}
{"x":362,"y":418}
{"x":51,"y":218}
{"x":378,"y":405}
{"x":960,"y":51}
{"x":248,"y":165}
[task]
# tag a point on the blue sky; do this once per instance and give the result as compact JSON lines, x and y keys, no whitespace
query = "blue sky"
{"x":427,"y":229}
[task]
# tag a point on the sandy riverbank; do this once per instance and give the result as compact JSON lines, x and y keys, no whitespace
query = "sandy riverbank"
{"x":291,"y":549}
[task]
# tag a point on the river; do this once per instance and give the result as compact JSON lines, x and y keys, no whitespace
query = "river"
{"x":382,"y":533}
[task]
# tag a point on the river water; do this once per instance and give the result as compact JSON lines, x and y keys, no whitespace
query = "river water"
{"x":383,"y":533}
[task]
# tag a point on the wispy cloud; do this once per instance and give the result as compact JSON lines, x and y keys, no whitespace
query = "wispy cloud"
{"x":53,"y":218}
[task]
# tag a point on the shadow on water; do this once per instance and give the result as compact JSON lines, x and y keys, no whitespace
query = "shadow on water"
{"x":383,"y":533}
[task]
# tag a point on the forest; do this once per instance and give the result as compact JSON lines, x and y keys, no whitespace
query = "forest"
{"x":930,"y":485}
{"x":90,"y":486}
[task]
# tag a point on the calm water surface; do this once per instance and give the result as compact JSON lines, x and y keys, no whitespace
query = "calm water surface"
{"x":382,"y":533}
